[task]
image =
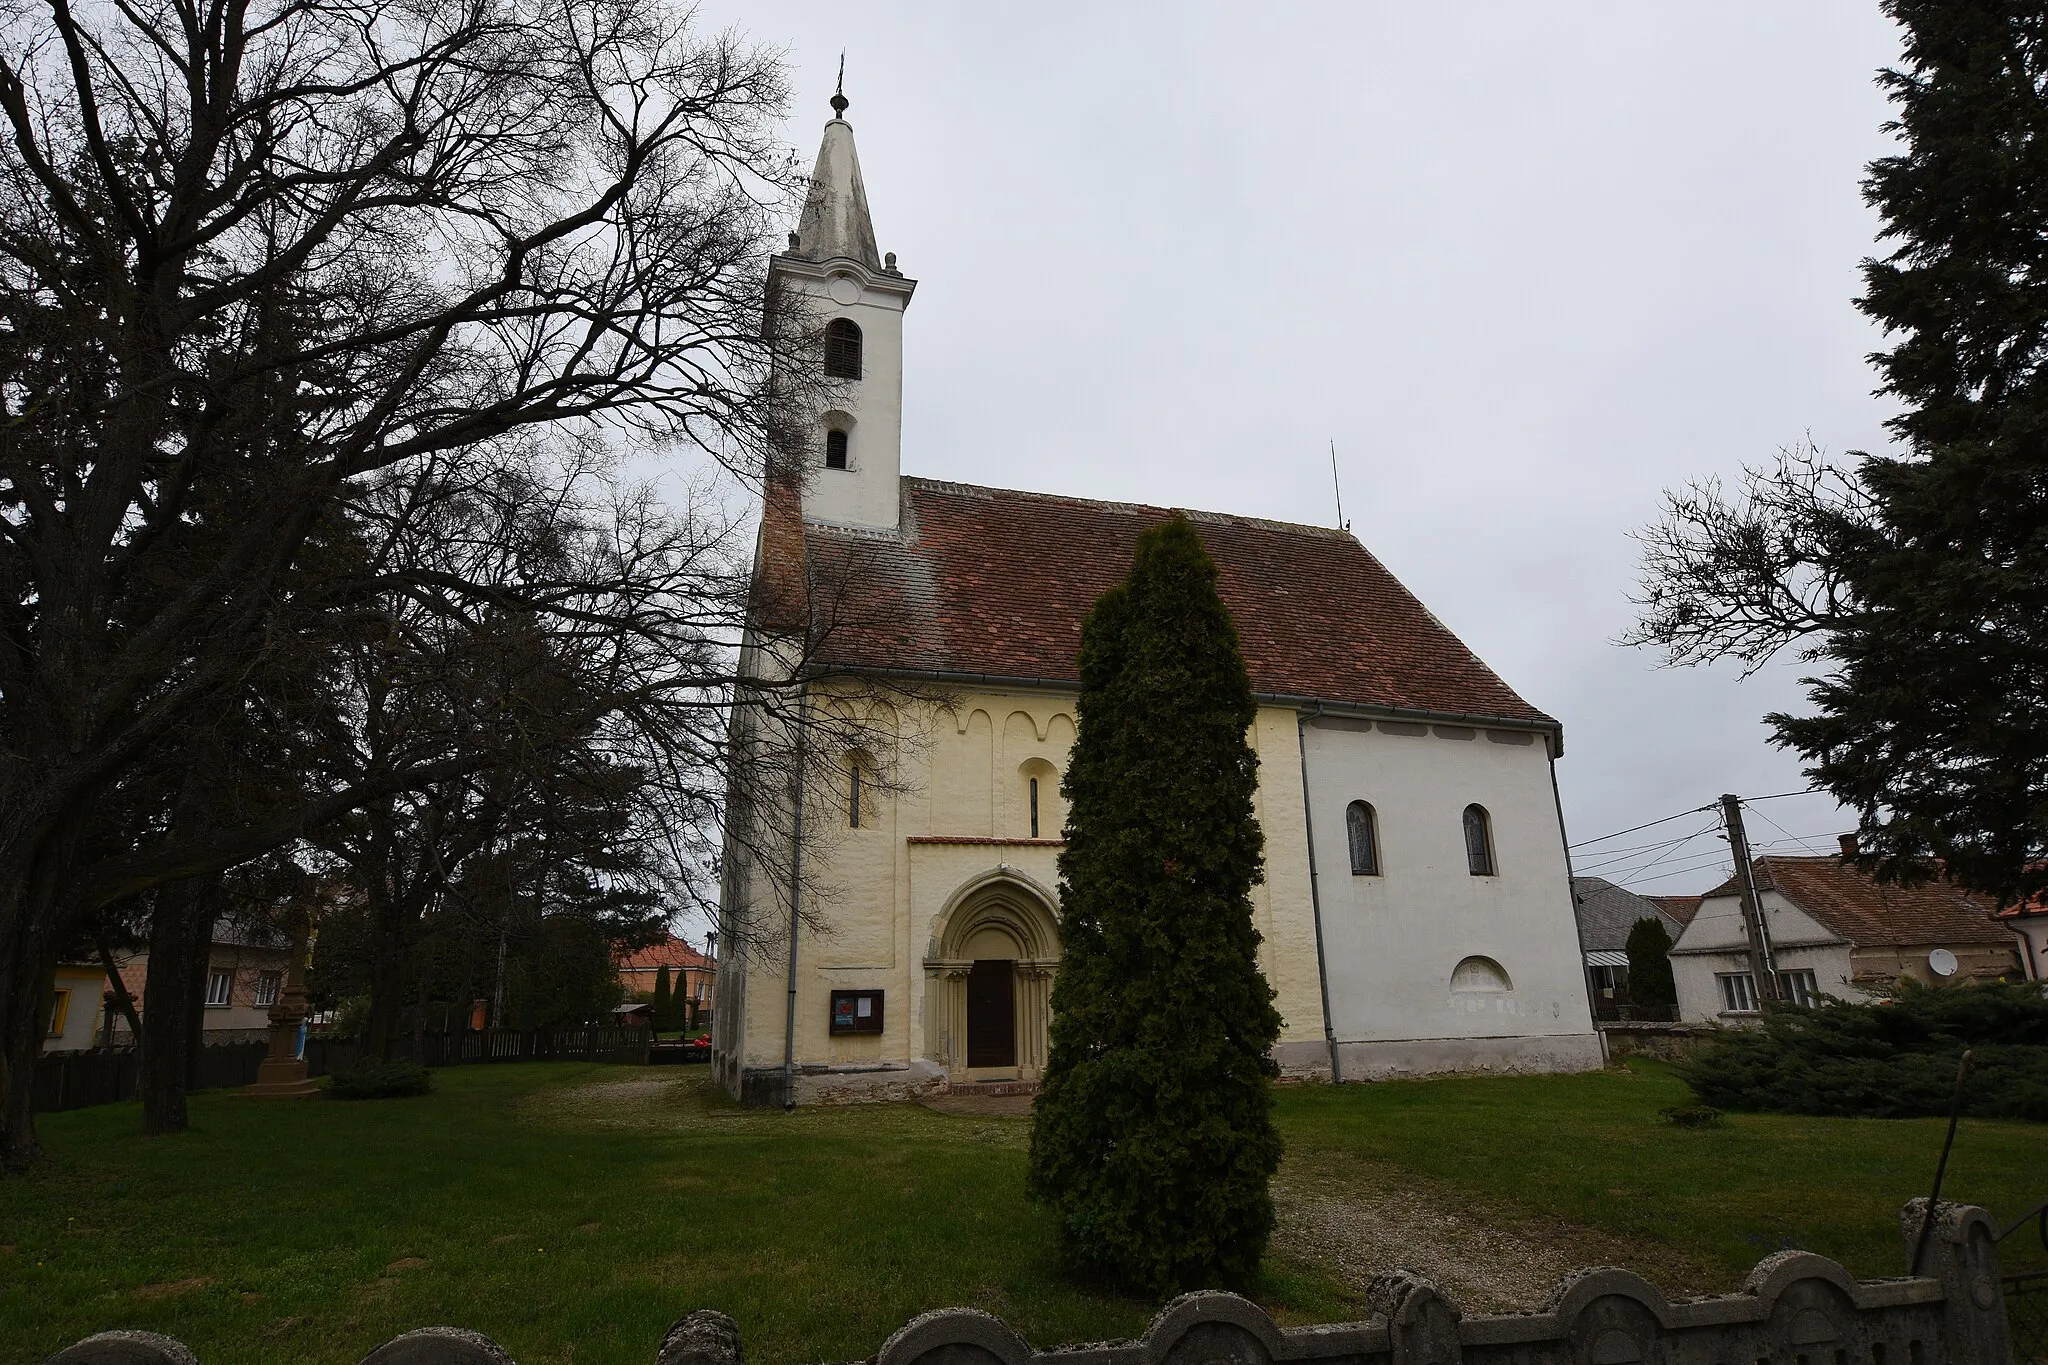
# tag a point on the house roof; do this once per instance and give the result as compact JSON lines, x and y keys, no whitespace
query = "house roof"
{"x":1868,"y":913}
{"x":994,"y":583}
{"x":1607,"y":912}
{"x":672,"y":954}
{"x":1680,"y":908}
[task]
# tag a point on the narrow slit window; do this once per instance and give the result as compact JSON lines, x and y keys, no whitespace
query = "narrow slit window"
{"x":1364,"y":839}
{"x":1034,"y":808}
{"x":842,"y":349}
{"x":1478,"y":842}
{"x":853,"y":796}
{"x":835,"y":449}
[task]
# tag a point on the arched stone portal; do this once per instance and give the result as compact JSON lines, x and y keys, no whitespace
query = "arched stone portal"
{"x":997,"y":938}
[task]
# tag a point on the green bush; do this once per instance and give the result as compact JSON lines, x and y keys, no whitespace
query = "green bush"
{"x":381,"y":1081}
{"x":1152,"y":1137}
{"x":1893,"y":1058}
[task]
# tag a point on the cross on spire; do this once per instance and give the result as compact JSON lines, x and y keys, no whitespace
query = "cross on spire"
{"x":839,"y":100}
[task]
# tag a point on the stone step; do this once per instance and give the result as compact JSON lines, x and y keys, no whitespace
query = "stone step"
{"x":992,"y":1088}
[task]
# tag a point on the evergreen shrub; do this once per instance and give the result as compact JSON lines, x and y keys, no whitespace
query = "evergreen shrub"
{"x":1649,"y":964}
{"x":1892,"y":1058}
{"x":1152,"y":1135}
{"x":381,"y":1081}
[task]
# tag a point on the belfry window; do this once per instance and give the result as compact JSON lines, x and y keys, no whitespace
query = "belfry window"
{"x":835,"y":449}
{"x":1364,"y":839}
{"x":1478,"y":842}
{"x":842,"y":349}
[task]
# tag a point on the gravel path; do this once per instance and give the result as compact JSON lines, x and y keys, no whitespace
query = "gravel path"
{"x":1361,"y":1220}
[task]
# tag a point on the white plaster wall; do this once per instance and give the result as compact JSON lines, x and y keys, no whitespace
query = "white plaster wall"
{"x":1715,"y":942}
{"x":1392,"y":941}
{"x":870,"y":408}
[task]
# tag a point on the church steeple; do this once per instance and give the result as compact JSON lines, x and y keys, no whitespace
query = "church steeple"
{"x":856,"y":297}
{"x":835,"y":223}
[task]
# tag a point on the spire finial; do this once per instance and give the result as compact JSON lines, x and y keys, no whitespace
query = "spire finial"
{"x":839,"y":100}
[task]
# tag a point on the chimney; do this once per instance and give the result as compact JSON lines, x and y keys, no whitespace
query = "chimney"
{"x":1848,"y":842}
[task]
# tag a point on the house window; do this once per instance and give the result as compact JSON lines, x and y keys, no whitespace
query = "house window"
{"x":856,"y":1012}
{"x":219,"y":985}
{"x":266,"y":987}
{"x":835,"y":449}
{"x":1738,"y":992}
{"x":60,"y":1008}
{"x":1801,"y":988}
{"x":1360,"y":829}
{"x":1034,"y":808}
{"x":1478,"y":841}
{"x":842,"y":349}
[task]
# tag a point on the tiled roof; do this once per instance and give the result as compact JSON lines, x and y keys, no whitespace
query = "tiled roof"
{"x":995,"y":583}
{"x":672,"y":954}
{"x":1869,"y":913}
{"x":1608,"y":912}
{"x":1680,"y":908}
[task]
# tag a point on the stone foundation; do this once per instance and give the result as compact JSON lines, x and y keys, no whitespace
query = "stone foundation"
{"x":1528,"y":1055}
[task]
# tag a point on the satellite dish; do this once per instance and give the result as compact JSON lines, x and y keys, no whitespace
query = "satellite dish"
{"x":1942,"y":962}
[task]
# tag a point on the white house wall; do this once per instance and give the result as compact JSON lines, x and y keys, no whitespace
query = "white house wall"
{"x":1391,"y":942}
{"x":1715,"y":942}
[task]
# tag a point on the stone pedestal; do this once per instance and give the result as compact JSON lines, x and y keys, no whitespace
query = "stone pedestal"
{"x":282,"y":1074}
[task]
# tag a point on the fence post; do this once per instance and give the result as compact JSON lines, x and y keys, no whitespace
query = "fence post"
{"x":1962,"y":1253}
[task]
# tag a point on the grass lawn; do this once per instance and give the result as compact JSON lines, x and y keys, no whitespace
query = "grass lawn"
{"x":567,"y":1208}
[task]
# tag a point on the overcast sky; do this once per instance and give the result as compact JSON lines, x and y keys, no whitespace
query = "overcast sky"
{"x":1526,"y":264}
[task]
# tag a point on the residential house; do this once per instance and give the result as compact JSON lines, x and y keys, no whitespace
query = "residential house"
{"x":75,"y":1007}
{"x":245,"y":970}
{"x":1607,"y":914}
{"x":1833,"y":930}
{"x":690,"y":973}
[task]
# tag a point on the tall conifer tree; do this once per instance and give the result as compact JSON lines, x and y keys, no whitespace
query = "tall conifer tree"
{"x":1152,"y":1135}
{"x":664,"y":1000}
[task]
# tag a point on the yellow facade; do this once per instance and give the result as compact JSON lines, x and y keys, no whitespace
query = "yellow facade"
{"x":943,"y":871}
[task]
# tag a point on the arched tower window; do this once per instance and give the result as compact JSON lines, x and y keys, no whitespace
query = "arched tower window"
{"x":842,"y":349}
{"x":1361,"y":829}
{"x":1478,"y":841}
{"x":835,"y":449}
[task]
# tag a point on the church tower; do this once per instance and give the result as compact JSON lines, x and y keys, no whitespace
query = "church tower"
{"x":855,"y":452}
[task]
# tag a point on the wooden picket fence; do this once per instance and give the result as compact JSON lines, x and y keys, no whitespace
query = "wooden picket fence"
{"x":78,"y":1080}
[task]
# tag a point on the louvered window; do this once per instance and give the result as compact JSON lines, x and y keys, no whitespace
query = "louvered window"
{"x":842,"y":349}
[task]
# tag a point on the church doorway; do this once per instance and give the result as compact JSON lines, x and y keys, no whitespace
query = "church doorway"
{"x":992,"y":1013}
{"x":988,"y":976}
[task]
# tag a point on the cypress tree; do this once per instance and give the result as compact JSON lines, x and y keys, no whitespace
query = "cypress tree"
{"x":664,"y":1001}
{"x":1152,"y":1136}
{"x":1649,"y":963}
{"x":1934,"y":724}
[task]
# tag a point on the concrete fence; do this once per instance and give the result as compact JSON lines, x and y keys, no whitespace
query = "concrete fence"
{"x":1795,"y":1309}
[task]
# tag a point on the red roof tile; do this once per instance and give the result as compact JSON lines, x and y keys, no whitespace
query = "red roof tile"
{"x":672,"y":954}
{"x":1680,"y":908}
{"x":995,"y":583}
{"x":1869,"y":913}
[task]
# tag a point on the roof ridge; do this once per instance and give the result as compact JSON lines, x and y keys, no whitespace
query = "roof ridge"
{"x":1191,"y":513}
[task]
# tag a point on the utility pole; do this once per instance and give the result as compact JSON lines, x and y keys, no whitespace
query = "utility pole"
{"x":1761,"y":968}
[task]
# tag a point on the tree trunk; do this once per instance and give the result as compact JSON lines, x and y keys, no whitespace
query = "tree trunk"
{"x":32,"y":927}
{"x":174,"y":1000}
{"x":387,"y":972}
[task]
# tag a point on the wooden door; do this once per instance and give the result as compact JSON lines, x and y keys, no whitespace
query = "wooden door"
{"x":992,"y":1013}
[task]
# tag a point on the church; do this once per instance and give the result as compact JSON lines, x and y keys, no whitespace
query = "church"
{"x":1416,"y":914}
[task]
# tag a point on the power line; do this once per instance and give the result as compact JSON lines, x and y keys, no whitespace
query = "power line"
{"x":1778,"y":796}
{"x":1584,"y":843}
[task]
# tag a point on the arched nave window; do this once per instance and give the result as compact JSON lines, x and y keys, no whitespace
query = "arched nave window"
{"x":835,"y":449}
{"x":1361,"y":827}
{"x":842,"y":349}
{"x":1478,"y":841}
